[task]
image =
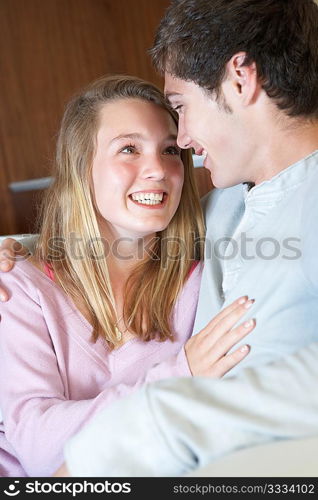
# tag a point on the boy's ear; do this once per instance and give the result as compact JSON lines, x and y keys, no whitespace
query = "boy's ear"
{"x":243,"y":78}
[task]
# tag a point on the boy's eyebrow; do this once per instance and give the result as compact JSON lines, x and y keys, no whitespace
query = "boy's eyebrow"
{"x":172,"y":94}
{"x":134,"y":136}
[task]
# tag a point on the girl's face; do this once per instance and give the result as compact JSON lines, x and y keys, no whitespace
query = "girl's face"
{"x":137,"y":169}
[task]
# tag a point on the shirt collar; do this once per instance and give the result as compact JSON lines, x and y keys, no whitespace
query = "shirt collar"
{"x":273,"y":190}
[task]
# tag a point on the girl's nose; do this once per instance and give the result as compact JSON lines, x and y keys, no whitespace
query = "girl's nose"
{"x":154,"y":168}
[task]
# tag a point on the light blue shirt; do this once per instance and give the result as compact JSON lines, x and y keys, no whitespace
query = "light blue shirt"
{"x":263,"y":243}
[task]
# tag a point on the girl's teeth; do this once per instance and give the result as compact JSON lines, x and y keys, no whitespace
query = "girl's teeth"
{"x":149,"y":202}
{"x":148,"y":198}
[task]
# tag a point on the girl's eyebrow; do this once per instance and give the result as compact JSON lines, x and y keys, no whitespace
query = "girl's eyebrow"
{"x":134,"y":136}
{"x":127,"y":136}
{"x":171,"y":137}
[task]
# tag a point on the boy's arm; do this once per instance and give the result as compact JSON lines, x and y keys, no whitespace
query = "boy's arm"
{"x":10,"y":250}
{"x":174,"y":426}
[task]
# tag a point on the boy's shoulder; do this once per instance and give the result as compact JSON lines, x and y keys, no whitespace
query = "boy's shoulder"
{"x":220,"y":204}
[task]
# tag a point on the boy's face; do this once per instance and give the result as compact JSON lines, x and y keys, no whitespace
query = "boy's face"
{"x":217,"y":128}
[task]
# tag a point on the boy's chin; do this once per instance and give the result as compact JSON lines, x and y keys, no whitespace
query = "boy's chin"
{"x":224,"y":183}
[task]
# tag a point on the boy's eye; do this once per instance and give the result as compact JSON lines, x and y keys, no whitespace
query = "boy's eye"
{"x":173,"y":150}
{"x":128,"y":149}
{"x":178,"y":108}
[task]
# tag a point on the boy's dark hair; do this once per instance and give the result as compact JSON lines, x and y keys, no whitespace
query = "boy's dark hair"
{"x":196,"y":38}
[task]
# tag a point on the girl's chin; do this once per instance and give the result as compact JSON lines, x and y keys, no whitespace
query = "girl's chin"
{"x":143,"y":233}
{"x":150,"y":233}
{"x":147,"y":227}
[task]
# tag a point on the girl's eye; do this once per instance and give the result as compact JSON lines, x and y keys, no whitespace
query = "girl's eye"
{"x":128,"y":149}
{"x":173,"y":150}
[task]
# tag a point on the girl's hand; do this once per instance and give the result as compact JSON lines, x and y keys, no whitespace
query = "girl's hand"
{"x":207,"y":350}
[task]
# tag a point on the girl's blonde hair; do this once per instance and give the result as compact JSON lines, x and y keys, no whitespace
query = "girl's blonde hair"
{"x":69,"y":216}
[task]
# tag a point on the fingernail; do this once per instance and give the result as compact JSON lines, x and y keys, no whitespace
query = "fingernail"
{"x":244,"y":348}
{"x":242,"y":300}
{"x":4,"y":266}
{"x":2,"y":297}
{"x":248,"y":323}
{"x":249,"y":303}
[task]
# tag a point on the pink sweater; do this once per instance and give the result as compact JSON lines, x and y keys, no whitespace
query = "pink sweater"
{"x":54,"y":379}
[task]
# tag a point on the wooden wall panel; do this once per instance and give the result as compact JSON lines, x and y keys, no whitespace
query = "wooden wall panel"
{"x":48,"y":50}
{"x":7,"y":217}
{"x":203,"y":180}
